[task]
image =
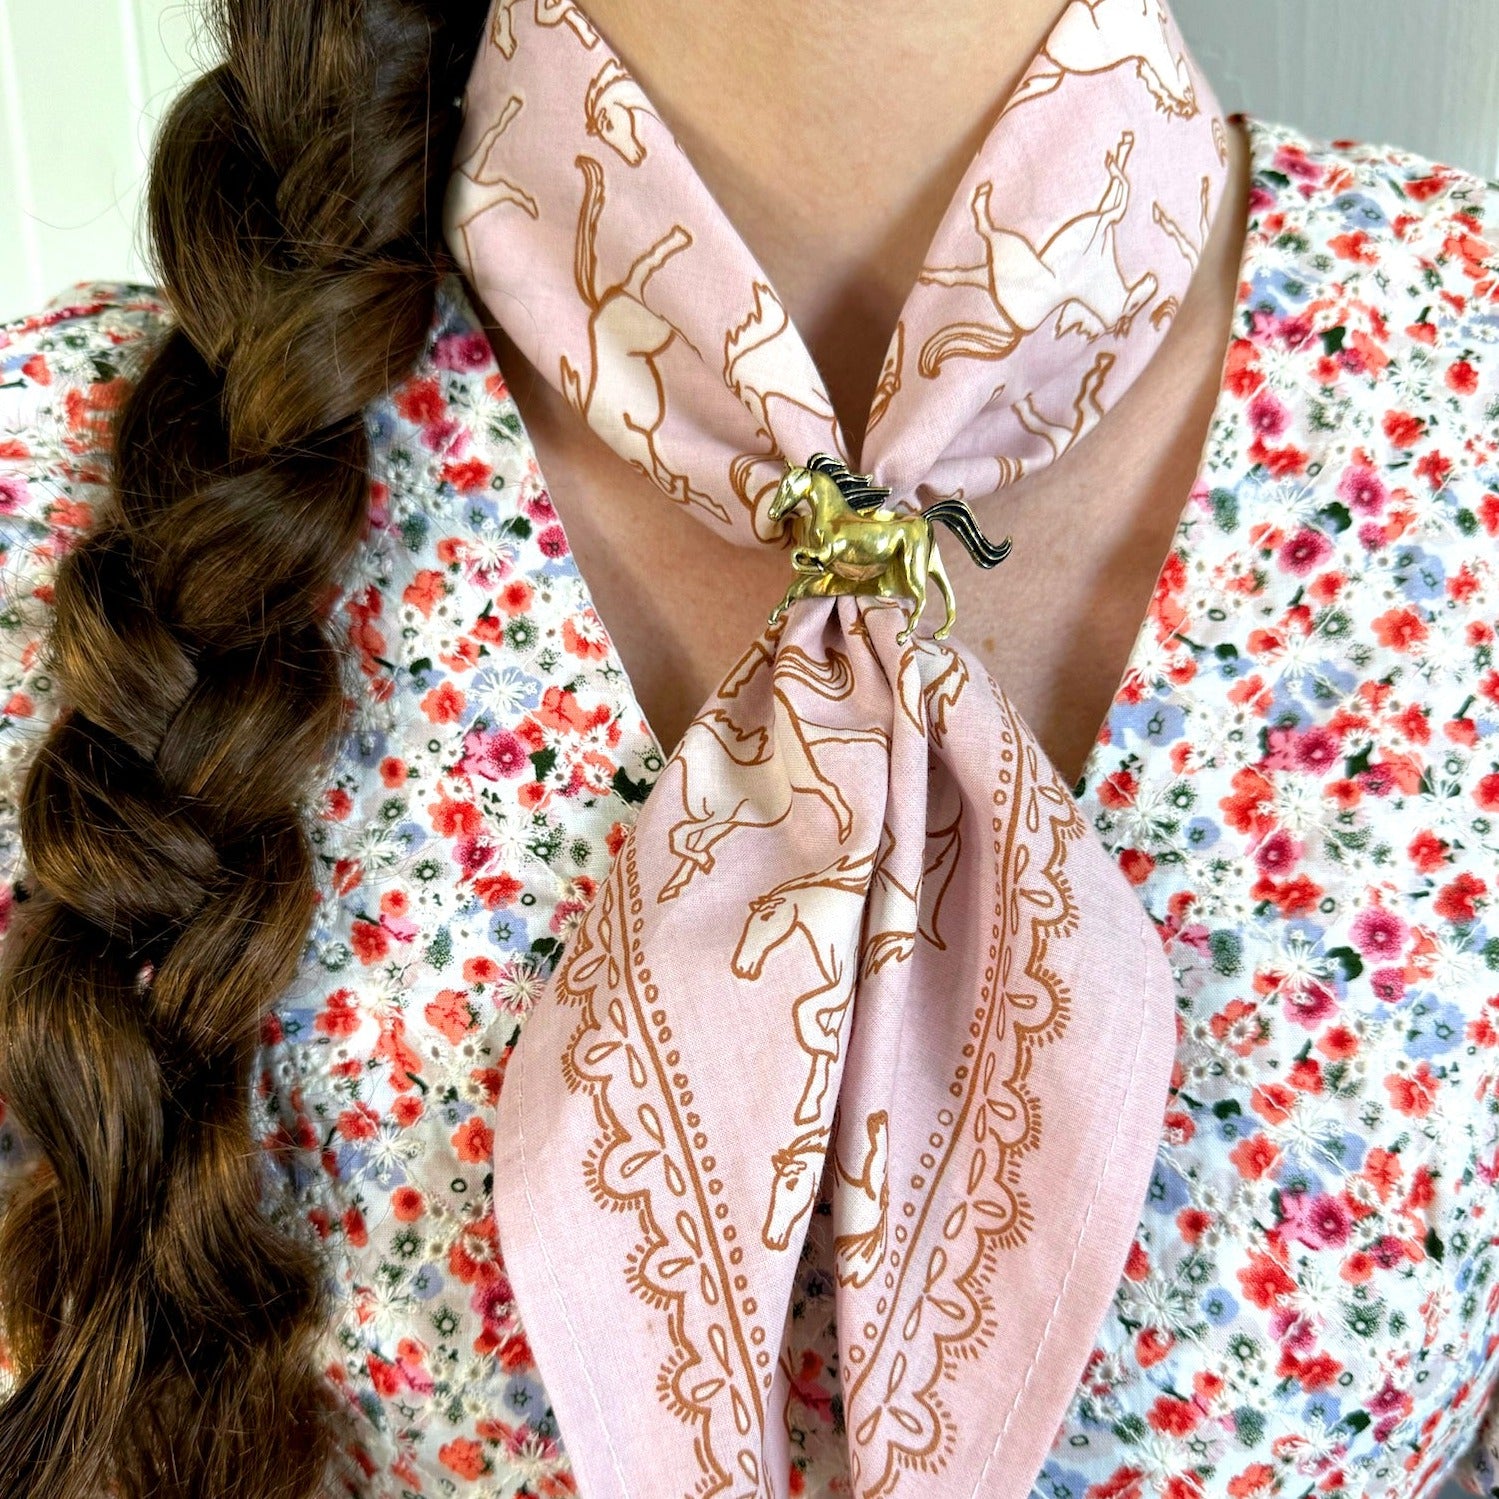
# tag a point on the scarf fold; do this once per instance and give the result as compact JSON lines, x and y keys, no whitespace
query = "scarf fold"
{"x":860,"y":943}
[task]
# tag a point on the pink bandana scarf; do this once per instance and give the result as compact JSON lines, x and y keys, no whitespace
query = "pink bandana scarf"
{"x":860,"y":941}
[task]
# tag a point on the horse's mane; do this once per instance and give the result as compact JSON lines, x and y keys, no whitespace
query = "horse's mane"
{"x":856,"y":489}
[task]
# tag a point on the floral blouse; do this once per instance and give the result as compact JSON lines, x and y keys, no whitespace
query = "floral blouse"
{"x":1299,"y":774}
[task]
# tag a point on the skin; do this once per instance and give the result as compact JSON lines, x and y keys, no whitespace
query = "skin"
{"x":838,"y":199}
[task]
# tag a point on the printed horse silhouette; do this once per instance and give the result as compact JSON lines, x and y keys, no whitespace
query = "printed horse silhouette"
{"x":858,"y":1251}
{"x":1081,"y":43}
{"x":613,"y":106}
{"x":1031,"y":287}
{"x":765,"y":775}
{"x":795,"y":907}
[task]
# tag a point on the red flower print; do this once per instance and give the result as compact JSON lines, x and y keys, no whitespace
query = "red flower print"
{"x":443,"y":704}
{"x":1192,"y":1223}
{"x":1486,"y":793}
{"x":1297,"y":897}
{"x":591,"y":647}
{"x":1152,"y":1345}
{"x":1403,"y":429}
{"x":407,"y":1204}
{"x":463,"y":1457}
{"x":407,"y":1109}
{"x":386,"y":1378}
{"x":449,"y":1014}
{"x":337,"y":804}
{"x":1435,"y":468}
{"x":1462,"y":378}
{"x":552,"y":541}
{"x":1338,"y":1043}
{"x":1412,"y":1094}
{"x":358,"y":1123}
{"x":473,"y":1140}
{"x":1264,"y":1281}
{"x":425,"y":590}
{"x":467,"y":476}
{"x":452,"y":819}
{"x":497,"y":890}
{"x":420,"y":401}
{"x":1173,"y":1416}
{"x":1137,"y":865}
{"x":1355,"y":247}
{"x":1247,"y":809}
{"x":1255,"y":1157}
{"x":1254,"y":1480}
{"x":1122,"y":1483}
{"x":1388,"y":985}
{"x":1242,"y":376}
{"x":369,"y":940}
{"x":1401,"y":629}
{"x":338,"y":1017}
{"x":1458,"y":900}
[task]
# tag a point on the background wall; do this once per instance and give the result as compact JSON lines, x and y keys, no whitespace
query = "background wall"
{"x":84,"y":82}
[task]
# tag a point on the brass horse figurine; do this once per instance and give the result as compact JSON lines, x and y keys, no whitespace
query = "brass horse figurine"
{"x":845,"y":543}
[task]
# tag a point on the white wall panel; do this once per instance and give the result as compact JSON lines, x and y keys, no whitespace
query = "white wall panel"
{"x":1420,"y":73}
{"x":82,"y":85}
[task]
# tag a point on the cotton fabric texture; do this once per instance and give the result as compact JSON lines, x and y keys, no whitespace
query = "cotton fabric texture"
{"x":859,"y":930}
{"x":1296,"y":775}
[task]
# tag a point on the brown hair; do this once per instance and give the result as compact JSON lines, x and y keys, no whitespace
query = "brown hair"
{"x":162,"y":1328}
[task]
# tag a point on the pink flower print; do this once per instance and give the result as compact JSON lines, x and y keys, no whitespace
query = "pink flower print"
{"x":539,"y":506}
{"x":1320,"y":1222}
{"x":1378,"y":933}
{"x":1293,"y":1330}
{"x":1389,"y":985}
{"x":1362,"y":490}
{"x":1306,"y":550}
{"x":1309,"y":1004}
{"x":463,"y":352}
{"x":13,"y":491}
{"x":1278,"y":854}
{"x":1268,"y":415}
{"x":473,"y":853}
{"x":1317,"y":751}
{"x":495,"y":754}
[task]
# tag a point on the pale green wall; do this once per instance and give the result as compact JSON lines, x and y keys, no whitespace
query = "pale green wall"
{"x":82,"y":83}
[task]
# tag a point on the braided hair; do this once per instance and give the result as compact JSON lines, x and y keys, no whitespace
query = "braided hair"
{"x":161,"y":1326}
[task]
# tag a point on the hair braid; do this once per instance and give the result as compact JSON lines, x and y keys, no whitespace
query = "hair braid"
{"x":163,"y":1329}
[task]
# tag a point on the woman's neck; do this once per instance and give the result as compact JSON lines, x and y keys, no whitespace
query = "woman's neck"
{"x":834,"y":136}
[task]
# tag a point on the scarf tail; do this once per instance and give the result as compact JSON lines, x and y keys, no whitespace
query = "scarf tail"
{"x":857,"y":886}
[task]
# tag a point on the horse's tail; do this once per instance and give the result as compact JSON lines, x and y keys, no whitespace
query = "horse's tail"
{"x":966,"y":341}
{"x":958,"y":519}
